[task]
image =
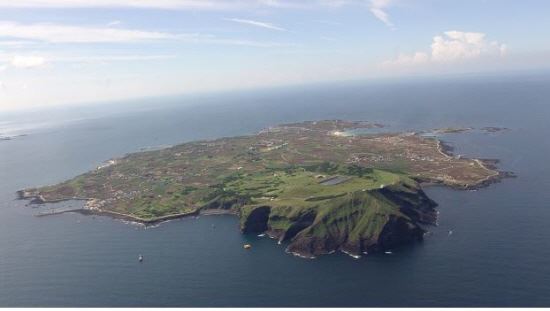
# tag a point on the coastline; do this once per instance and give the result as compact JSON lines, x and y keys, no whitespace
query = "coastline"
{"x":487,"y":164}
{"x":89,"y":209}
{"x":38,"y":199}
{"x":463,"y":174}
{"x":120,"y":216}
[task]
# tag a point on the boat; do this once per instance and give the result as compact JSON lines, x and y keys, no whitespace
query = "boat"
{"x":247,"y":246}
{"x":450,"y":232}
{"x":388,"y":252}
{"x":140,"y":258}
{"x":261,"y":235}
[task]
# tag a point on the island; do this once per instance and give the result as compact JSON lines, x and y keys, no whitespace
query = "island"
{"x":318,"y":186}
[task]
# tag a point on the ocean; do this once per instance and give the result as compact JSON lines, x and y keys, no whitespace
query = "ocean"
{"x":497,"y":255}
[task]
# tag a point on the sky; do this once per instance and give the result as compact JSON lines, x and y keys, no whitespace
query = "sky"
{"x":61,"y":52}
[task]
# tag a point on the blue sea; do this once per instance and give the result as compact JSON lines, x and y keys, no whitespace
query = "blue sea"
{"x":497,"y":255}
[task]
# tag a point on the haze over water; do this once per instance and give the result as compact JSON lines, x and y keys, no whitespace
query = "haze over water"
{"x":497,"y":255}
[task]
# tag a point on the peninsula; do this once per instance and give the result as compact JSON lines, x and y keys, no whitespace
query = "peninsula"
{"x":318,"y":185}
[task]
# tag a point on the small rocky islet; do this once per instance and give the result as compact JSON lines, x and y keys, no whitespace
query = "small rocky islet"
{"x":315,"y":185}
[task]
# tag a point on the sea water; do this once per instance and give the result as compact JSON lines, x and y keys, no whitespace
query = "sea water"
{"x":498,"y":254}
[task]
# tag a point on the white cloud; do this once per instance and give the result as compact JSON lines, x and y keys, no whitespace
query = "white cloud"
{"x":457,"y":45}
{"x":110,"y":58}
{"x":160,"y":4}
{"x":175,"y":4}
{"x":378,"y":9}
{"x":76,"y":34}
{"x":453,"y":46}
{"x":163,"y":4}
{"x":114,"y":23}
{"x":335,"y":3}
{"x":255,"y":23}
{"x":34,"y":61}
{"x":303,"y":4}
{"x":281,"y":4}
{"x":15,"y":43}
{"x":54,"y":33}
{"x":240,"y":42}
{"x":27,"y":61}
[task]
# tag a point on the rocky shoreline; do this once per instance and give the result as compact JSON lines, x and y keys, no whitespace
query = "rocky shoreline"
{"x":396,"y":232}
{"x":351,"y":238}
{"x":488,"y":164}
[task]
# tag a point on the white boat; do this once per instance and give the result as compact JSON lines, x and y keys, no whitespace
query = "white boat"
{"x":388,"y":252}
{"x":140,"y":258}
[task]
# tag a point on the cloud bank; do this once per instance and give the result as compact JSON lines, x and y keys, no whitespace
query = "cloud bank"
{"x":452,"y":46}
